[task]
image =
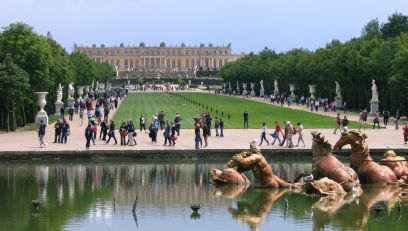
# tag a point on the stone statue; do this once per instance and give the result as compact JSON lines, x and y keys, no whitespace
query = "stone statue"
{"x":338,"y":90}
{"x":275,"y":84}
{"x":92,"y":86}
{"x":97,"y":85}
{"x":374,"y":91}
{"x":262,"y":86}
{"x":251,"y":159}
{"x":59,"y":93}
{"x":262,"y":91}
{"x":71,"y":91}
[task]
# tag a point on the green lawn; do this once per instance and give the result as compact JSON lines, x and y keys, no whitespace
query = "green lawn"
{"x":189,"y":104}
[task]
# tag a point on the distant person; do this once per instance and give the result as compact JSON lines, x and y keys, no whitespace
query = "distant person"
{"x":197,"y":136}
{"x":285,"y":135}
{"x":173,"y":136}
{"x":337,"y":122}
{"x":104,"y":129}
{"x":290,"y":132}
{"x":161,"y":119}
{"x":299,"y":130}
{"x":131,"y":133}
{"x":123,"y":133}
{"x":221,"y":127}
{"x":216,"y":126}
{"x":397,"y":119}
{"x":204,"y":128}
{"x":88,"y":135}
{"x":264,"y":131}
{"x":71,"y":113}
{"x":277,"y":133}
{"x":245,"y":120}
{"x":153,"y":133}
{"x":57,"y":128}
{"x":65,"y":131}
{"x":345,"y":122}
{"x":166,"y":134}
{"x":386,"y":115}
{"x":142,"y":123}
{"x":344,"y":107}
{"x":111,"y":133}
{"x":405,"y":128}
{"x":62,"y":111}
{"x":41,"y":134}
{"x":376,"y":119}
{"x":177,"y":122}
{"x":81,"y":116}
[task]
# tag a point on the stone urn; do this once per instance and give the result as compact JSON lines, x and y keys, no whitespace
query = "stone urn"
{"x":292,"y":90}
{"x":41,"y":101}
{"x":244,"y":91}
{"x":252,"y":89}
{"x":312,"y":91}
{"x":80,"y":91}
{"x":86,"y":91}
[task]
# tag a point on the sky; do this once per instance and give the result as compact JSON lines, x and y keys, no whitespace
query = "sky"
{"x":249,"y":25}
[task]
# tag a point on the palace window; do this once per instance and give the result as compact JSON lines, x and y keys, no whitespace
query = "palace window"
{"x":187,"y":63}
{"x":118,"y":63}
{"x":173,"y":52}
{"x":131,"y":63}
{"x":178,"y":63}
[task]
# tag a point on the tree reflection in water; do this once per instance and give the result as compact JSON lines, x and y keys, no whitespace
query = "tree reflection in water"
{"x":75,"y":192}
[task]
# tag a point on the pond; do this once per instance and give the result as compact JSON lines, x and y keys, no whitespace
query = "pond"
{"x":99,"y":195}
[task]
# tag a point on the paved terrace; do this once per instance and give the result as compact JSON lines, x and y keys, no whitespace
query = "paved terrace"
{"x":26,"y":143}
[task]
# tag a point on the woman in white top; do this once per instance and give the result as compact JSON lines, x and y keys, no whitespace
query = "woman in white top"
{"x":264,"y":131}
{"x":300,"y":132}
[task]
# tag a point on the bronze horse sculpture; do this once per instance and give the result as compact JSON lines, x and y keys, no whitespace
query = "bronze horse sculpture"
{"x":361,"y":161}
{"x":397,"y":164}
{"x":325,"y":164}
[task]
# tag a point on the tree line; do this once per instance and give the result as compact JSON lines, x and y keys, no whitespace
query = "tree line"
{"x":380,"y":53}
{"x":30,"y":62}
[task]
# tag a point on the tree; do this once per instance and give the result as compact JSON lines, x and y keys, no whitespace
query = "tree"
{"x":371,"y":30}
{"x":14,"y":85}
{"x":396,"y":24}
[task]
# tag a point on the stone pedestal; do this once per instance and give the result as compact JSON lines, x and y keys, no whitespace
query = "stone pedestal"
{"x":58,"y":106}
{"x":374,"y":106}
{"x":252,"y":90}
{"x":71,"y":102}
{"x":244,"y":91}
{"x":41,"y":114}
{"x":292,"y":90}
{"x":338,"y":102}
{"x":262,"y":93}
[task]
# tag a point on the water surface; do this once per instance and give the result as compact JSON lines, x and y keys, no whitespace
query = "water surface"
{"x":80,"y":195}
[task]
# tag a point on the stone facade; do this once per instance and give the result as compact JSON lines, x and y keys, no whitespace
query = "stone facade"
{"x":160,"y":58}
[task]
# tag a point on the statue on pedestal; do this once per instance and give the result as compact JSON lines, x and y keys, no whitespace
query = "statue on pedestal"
{"x":374,"y":91}
{"x":237,"y":91}
{"x":276,"y":90}
{"x":252,"y":89}
{"x":59,"y":93}
{"x":262,"y":91}
{"x":71,"y":91}
{"x":338,"y":100}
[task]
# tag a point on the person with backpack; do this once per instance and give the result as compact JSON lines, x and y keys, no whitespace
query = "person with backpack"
{"x":276,"y":133}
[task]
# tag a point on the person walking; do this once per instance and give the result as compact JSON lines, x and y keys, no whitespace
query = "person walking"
{"x":376,"y":119}
{"x":153,"y":133}
{"x":71,"y":113}
{"x":177,"y":122}
{"x":123,"y":133}
{"x":397,"y":119}
{"x":208,"y":120}
{"x":405,"y":129}
{"x":62,"y":112}
{"x":361,"y":120}
{"x":245,"y":120}
{"x":81,"y":116}
{"x":104,"y":129}
{"x":57,"y":128}
{"x":161,"y":119}
{"x":221,"y":127}
{"x":285,"y":135}
{"x":264,"y":131}
{"x":88,"y":135}
{"x":111,"y":133}
{"x":204,"y":128}
{"x":94,"y":131}
{"x":386,"y":115}
{"x":345,"y":122}
{"x":300,"y":134}
{"x":41,"y":134}
{"x":173,"y":136}
{"x":65,"y":131}
{"x":131,"y":133}
{"x":344,"y":107}
{"x":337,"y":121}
{"x":142,"y":123}
{"x":290,"y":132}
{"x":216,"y":126}
{"x":166,"y":134}
{"x":277,"y":133}
{"x":197,"y":136}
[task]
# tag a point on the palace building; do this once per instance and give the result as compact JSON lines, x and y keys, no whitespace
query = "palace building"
{"x":160,"y":59}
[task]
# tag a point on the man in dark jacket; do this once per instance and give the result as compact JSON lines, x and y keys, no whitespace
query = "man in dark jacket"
{"x":88,"y":135}
{"x":57,"y":127}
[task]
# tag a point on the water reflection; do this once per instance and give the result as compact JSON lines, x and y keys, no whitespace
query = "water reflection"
{"x":84,"y":195}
